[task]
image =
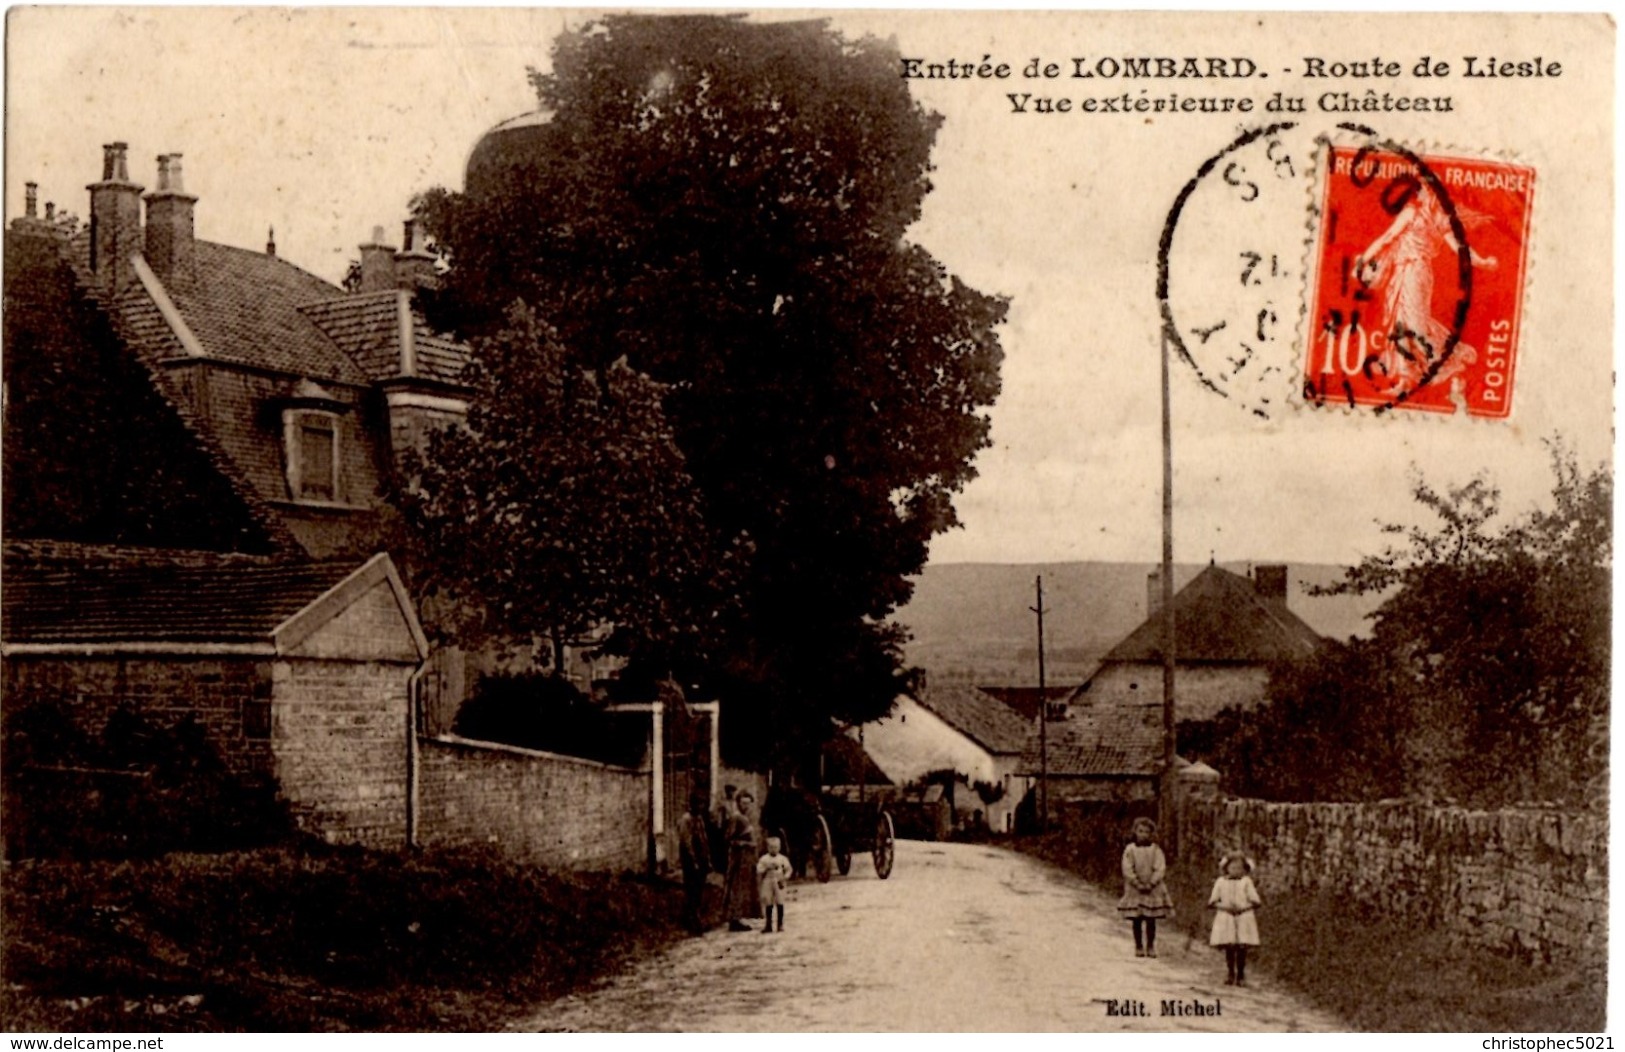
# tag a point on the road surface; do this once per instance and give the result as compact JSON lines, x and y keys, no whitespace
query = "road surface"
{"x":962,"y":937}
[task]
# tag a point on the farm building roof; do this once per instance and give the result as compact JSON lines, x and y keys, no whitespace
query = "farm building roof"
{"x":1105,"y":740}
{"x":1221,"y":617}
{"x":978,"y":715}
{"x":845,"y":762}
{"x":1024,"y":700}
{"x":121,"y":597}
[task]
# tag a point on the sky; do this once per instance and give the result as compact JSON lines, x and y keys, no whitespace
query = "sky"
{"x":323,"y":124}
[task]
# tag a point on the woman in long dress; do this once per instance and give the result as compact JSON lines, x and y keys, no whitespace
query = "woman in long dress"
{"x":744,"y":846}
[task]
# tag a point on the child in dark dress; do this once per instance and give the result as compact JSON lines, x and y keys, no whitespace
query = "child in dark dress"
{"x":1145,"y":887}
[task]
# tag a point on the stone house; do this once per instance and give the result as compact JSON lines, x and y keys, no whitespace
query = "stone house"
{"x":959,"y":728}
{"x":1229,"y":630}
{"x":199,"y":436}
{"x":297,"y":673}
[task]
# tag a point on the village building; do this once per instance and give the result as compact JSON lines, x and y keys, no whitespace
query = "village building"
{"x":952,"y":727}
{"x":297,"y":675}
{"x":1027,"y":700}
{"x":200,"y":445}
{"x":1229,"y":630}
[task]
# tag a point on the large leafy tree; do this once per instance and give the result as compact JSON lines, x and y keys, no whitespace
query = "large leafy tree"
{"x":1486,"y":675}
{"x":725,"y":205}
{"x":562,"y":508}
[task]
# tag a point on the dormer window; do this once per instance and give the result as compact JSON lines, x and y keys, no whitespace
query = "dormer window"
{"x":310,"y":438}
{"x":316,"y":475}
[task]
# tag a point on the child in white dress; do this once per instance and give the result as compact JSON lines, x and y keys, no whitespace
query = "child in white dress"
{"x":773,"y":871}
{"x":1235,"y":924}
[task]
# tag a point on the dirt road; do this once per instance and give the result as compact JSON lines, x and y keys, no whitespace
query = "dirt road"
{"x":962,"y":937}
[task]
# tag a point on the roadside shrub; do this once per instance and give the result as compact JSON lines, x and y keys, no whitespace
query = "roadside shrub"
{"x":311,"y":937}
{"x":540,"y":711}
{"x":133,"y":787}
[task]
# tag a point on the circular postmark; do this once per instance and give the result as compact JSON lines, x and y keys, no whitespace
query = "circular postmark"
{"x":1327,"y":268}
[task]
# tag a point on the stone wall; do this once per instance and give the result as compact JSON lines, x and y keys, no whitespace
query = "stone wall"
{"x":556,"y":811}
{"x":64,"y":795}
{"x":217,"y":693}
{"x":339,"y":735}
{"x":328,"y":737}
{"x":1533,"y":882}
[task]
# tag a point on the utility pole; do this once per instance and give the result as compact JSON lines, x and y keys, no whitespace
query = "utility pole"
{"x":1043,"y":715}
{"x":1166,"y":796}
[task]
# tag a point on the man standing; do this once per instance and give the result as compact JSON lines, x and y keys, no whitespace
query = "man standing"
{"x":694,"y":852}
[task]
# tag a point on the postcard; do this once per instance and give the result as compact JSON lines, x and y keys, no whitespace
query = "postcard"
{"x":557,"y":519}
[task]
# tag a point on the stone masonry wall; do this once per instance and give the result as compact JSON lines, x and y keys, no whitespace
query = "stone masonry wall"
{"x":339,"y":730}
{"x":163,"y":690}
{"x":556,"y":811}
{"x":1533,"y":882}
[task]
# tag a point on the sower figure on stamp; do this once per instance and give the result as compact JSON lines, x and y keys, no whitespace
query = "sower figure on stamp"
{"x":694,"y":852}
{"x":1399,"y":265}
{"x":1145,"y":888}
{"x":1235,"y":925}
{"x":740,"y":900}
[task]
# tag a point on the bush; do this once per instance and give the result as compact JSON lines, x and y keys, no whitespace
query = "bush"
{"x":136,"y":787}
{"x":311,"y":937}
{"x":540,"y":711}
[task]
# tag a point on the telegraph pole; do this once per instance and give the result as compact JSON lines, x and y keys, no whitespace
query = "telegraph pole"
{"x":1166,"y":796}
{"x":1043,"y":715}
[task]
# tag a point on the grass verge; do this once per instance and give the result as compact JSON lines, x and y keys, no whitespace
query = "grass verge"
{"x":310,"y":937}
{"x":1376,"y":972}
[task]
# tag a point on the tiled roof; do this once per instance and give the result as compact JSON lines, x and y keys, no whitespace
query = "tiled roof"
{"x":979,"y":716}
{"x":367,"y":327}
{"x":202,"y":599}
{"x":364,"y":325}
{"x":1122,"y":740}
{"x":244,"y":307}
{"x":150,"y":337}
{"x":845,"y":762}
{"x":1220,"y":617}
{"x":1024,"y":700}
{"x":439,"y":357}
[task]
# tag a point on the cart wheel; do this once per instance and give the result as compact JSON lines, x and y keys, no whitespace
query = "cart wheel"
{"x":885,"y":846}
{"x":843,"y":862}
{"x":819,"y":860}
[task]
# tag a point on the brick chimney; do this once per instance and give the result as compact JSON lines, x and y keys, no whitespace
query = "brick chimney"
{"x":115,"y":220}
{"x":170,"y":245}
{"x":377,"y":264}
{"x":1270,"y":581}
{"x":31,"y":200}
{"x":1153,"y":594}
{"x":414,"y":264}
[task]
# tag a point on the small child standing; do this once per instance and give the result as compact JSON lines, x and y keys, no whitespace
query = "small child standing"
{"x":1145,"y":889}
{"x":773,"y":870}
{"x":1235,"y":927}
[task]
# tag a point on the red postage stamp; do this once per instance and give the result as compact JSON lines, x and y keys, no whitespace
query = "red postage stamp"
{"x":1418,"y":284}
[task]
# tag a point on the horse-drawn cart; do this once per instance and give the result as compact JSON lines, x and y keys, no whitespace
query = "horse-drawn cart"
{"x":823,"y":831}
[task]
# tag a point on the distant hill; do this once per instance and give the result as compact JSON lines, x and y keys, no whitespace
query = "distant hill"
{"x":972,"y":621}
